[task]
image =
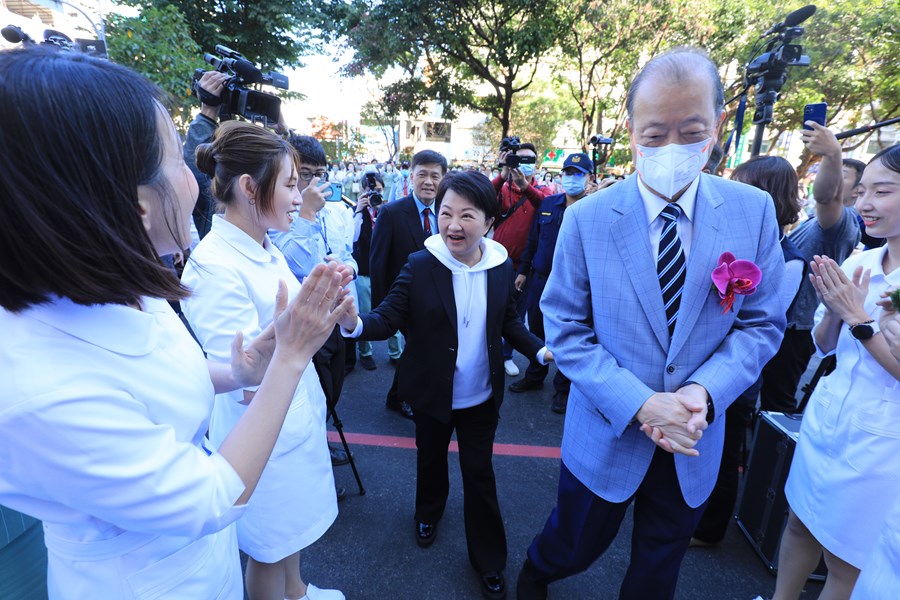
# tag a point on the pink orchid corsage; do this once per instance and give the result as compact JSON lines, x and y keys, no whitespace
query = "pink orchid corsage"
{"x":733,"y":277}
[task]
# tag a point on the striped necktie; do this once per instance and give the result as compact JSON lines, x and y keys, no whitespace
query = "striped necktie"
{"x":426,"y":222}
{"x":670,"y":264}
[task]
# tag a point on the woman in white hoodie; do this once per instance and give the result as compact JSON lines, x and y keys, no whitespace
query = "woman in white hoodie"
{"x":453,"y":302}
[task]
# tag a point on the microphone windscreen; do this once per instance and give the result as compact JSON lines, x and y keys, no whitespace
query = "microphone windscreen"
{"x":799,"y":15}
{"x":12,"y":34}
{"x":247,"y":71}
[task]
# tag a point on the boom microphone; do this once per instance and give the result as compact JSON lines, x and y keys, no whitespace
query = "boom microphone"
{"x":799,"y":15}
{"x":866,"y":128}
{"x":793,"y":19}
{"x":246,"y":70}
{"x":14,"y":35}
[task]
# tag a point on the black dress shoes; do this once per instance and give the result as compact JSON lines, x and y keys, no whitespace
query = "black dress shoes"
{"x":493,"y":585}
{"x":529,"y":586}
{"x":425,"y":534}
{"x":560,"y":402}
{"x":526,"y":385}
{"x":401,"y":407}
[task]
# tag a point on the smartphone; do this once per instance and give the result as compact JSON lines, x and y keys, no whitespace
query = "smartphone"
{"x":334,"y":193}
{"x":814,"y":112}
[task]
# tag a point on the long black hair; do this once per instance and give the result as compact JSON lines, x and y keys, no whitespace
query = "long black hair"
{"x":78,"y":135}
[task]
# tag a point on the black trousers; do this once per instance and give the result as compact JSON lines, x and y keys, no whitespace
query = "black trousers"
{"x":583,"y":525}
{"x":350,"y":350}
{"x":782,"y":374}
{"x":329,"y":364}
{"x":536,"y":371}
{"x":475,"y":428}
{"x":720,"y":506}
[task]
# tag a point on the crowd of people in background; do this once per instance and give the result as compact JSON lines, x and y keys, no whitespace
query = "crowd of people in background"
{"x":167,"y":249}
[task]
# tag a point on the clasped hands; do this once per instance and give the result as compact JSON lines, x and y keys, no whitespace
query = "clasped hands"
{"x":675,"y":421}
{"x":299,"y":329}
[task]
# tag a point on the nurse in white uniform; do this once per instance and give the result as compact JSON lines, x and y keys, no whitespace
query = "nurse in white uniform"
{"x":234,"y":272}
{"x":880,"y":576}
{"x":845,"y":474}
{"x":105,"y":397}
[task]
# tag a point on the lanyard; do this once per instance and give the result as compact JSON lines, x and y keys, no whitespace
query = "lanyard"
{"x":325,"y":235}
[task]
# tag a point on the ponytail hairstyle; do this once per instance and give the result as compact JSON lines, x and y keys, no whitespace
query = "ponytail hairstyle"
{"x":240,"y":148}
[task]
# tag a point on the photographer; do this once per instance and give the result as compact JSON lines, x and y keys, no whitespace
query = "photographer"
{"x":367,"y":209}
{"x":520,"y":197}
{"x":317,"y":236}
{"x":201,"y":131}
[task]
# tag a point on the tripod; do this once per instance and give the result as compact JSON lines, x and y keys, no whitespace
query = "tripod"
{"x":339,"y":426}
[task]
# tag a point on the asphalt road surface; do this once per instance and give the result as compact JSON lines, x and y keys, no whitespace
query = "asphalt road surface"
{"x":370,"y":551}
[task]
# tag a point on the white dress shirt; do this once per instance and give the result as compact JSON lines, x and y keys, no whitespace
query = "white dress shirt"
{"x":653,"y":207}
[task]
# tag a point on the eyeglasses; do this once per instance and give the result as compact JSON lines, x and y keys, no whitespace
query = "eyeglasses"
{"x":307,"y":176}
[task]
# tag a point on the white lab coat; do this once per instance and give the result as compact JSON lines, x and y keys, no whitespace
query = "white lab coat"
{"x":234,"y":280}
{"x":103,"y":413}
{"x":880,"y":576}
{"x":845,"y":476}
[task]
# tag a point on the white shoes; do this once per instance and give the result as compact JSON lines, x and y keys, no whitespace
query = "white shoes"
{"x":510,"y":367}
{"x":314,"y":593}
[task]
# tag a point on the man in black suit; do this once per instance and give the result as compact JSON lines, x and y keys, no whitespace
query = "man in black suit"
{"x":401,"y":230}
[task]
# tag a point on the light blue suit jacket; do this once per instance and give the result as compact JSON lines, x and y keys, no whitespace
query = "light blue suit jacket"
{"x":606,"y":325}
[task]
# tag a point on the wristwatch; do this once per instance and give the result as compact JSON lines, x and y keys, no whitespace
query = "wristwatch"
{"x":865,"y":330}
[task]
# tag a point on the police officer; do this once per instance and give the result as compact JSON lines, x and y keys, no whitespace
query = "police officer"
{"x":537,"y":258}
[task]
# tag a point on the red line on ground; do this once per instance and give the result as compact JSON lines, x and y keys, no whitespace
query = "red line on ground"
{"x":408,"y":443}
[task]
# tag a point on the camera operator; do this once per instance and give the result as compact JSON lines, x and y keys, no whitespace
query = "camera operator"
{"x":367,"y":209}
{"x":201,"y":131}
{"x":520,"y":197}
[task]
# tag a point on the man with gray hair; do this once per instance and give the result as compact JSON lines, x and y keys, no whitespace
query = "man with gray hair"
{"x":633,"y":319}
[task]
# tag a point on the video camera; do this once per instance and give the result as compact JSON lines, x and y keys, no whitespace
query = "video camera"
{"x":767,"y":72}
{"x":370,"y":183}
{"x":511,"y":145}
{"x":237,"y":98}
{"x":56,"y":39}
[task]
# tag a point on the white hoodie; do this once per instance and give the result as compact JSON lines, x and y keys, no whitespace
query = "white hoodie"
{"x":472,"y":377}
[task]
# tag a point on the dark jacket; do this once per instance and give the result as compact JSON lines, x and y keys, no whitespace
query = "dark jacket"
{"x":362,"y":246}
{"x":538,"y":253}
{"x":421,"y":304}
{"x":200,"y":131}
{"x":397,"y":234}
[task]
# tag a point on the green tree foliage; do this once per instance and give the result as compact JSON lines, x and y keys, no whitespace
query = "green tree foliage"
{"x":158,"y":44}
{"x":384,"y":113}
{"x":854,"y":48}
{"x":464,"y":53}
{"x":271,"y":33}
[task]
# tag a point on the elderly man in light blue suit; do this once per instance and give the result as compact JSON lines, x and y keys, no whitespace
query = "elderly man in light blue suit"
{"x":653,"y":357}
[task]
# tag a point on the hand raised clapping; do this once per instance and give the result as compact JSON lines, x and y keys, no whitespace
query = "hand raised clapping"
{"x":841,"y":295}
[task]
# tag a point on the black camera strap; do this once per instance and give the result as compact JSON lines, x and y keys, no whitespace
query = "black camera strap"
{"x":208,"y":98}
{"x":513,"y":208}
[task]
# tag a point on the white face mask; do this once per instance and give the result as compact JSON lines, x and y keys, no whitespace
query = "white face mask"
{"x":670,"y":169}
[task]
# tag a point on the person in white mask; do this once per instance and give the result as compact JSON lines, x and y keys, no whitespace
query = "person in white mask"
{"x":453,"y":300}
{"x":633,"y":319}
{"x":537,"y":259}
